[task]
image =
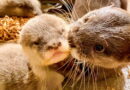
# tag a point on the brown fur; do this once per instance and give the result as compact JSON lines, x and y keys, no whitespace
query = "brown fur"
{"x":110,"y":28}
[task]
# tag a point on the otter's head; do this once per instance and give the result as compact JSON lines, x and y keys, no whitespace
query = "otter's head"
{"x":43,"y":40}
{"x":102,"y":38}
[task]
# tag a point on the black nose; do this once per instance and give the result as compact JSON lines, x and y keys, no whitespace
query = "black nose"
{"x":71,"y":42}
{"x":54,"y":46}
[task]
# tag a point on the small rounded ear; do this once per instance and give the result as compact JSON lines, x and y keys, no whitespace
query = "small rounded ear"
{"x":23,"y":39}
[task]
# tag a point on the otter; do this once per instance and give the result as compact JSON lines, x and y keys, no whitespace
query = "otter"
{"x":101,"y":37}
{"x":101,"y":41}
{"x":20,"y":7}
{"x":81,"y":7}
{"x":45,"y":42}
{"x":27,"y":66}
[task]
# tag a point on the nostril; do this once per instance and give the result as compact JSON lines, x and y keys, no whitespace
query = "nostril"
{"x":71,"y":43}
{"x":49,"y":47}
{"x":59,"y":44}
{"x":54,"y":46}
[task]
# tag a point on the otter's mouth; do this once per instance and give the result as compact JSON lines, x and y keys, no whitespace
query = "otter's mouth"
{"x":54,"y":56}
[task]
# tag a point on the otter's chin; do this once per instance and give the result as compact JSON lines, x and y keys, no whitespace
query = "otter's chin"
{"x":98,"y":61}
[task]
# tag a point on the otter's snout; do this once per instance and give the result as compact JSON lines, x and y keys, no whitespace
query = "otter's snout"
{"x":54,"y":45}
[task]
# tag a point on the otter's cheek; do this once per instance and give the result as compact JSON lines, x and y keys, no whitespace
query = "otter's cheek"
{"x":77,"y":56}
{"x":54,"y":56}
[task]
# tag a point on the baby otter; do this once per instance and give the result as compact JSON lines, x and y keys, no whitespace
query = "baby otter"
{"x":81,"y":7}
{"x":27,"y":66}
{"x":102,"y":37}
{"x":20,"y":7}
{"x":45,"y":43}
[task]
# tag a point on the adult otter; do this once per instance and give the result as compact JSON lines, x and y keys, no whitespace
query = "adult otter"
{"x":81,"y":7}
{"x":101,"y":39}
{"x":20,"y":7}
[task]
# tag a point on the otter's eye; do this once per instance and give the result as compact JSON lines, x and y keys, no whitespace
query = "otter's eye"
{"x":85,"y":20}
{"x":99,"y":48}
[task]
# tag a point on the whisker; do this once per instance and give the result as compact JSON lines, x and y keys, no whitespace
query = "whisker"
{"x":105,"y":77}
{"x":75,"y":74}
{"x":67,"y":6}
{"x":67,"y":66}
{"x":78,"y":78}
{"x":70,"y":74}
{"x":68,"y":61}
{"x":84,"y":75}
{"x":89,"y":77}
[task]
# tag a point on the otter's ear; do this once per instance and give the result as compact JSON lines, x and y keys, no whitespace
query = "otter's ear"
{"x":23,"y":38}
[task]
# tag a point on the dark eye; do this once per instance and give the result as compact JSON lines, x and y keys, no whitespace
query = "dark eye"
{"x":99,"y":48}
{"x":85,"y":20}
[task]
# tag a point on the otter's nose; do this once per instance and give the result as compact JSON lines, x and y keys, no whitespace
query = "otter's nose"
{"x":71,"y":42}
{"x":54,"y":45}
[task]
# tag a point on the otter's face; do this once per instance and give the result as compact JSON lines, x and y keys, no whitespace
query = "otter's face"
{"x":44,"y":43}
{"x":102,"y":39}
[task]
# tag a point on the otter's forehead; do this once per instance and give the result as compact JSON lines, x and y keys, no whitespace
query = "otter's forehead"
{"x":44,"y":27}
{"x":108,"y":16}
